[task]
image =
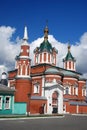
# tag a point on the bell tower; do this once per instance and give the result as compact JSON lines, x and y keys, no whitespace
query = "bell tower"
{"x":45,"y":53}
{"x":23,"y":62}
{"x":23,"y":78}
{"x":69,"y":61}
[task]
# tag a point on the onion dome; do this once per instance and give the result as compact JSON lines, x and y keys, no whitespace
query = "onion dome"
{"x":45,"y":45}
{"x":69,"y":55}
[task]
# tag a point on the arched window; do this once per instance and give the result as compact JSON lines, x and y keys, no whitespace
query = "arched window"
{"x":23,"y":69}
{"x":27,"y":70}
{"x":36,"y":88}
{"x":84,"y":91}
{"x":67,"y":90}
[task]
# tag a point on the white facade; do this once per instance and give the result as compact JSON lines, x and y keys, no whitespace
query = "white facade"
{"x":49,"y":90}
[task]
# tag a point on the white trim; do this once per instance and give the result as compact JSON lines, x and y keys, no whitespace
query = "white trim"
{"x":26,"y":70}
{"x":70,"y":90}
{"x":76,"y":90}
{"x":24,"y":76}
{"x":77,"y":109}
{"x":57,"y":76}
{"x":43,"y":84}
{"x":26,"y":57}
{"x":9,"y":103}
{"x":82,"y":81}
{"x":73,"y":90}
{"x":71,"y":78}
{"x":1,"y":102}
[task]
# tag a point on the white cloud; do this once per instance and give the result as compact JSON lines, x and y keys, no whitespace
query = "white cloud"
{"x":9,"y":49}
{"x":78,"y":50}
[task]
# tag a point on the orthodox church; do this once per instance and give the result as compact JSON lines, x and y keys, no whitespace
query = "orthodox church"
{"x":44,"y":87}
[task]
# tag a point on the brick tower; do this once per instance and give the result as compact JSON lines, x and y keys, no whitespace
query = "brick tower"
{"x":23,"y":65}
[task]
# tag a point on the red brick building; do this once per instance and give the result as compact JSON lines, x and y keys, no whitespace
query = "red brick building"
{"x":45,"y":87}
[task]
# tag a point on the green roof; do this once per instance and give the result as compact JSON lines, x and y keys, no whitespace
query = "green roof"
{"x":45,"y":45}
{"x":69,"y":73}
{"x":69,"y":57}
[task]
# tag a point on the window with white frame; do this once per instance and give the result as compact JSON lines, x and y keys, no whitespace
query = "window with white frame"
{"x":83,"y":92}
{"x":0,"y":102}
{"x":75,"y":90}
{"x":67,"y":90}
{"x":7,"y":102}
{"x":36,"y":88}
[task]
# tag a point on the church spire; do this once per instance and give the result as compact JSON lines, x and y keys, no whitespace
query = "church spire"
{"x":25,"y":38}
{"x":25,"y":34}
{"x":46,"y":31}
{"x":69,"y":47}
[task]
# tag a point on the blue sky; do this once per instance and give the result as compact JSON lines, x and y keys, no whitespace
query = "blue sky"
{"x":67,"y":19}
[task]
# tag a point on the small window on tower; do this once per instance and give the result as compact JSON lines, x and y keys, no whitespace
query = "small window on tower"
{"x":36,"y":58}
{"x":36,"y":88}
{"x":83,"y":92}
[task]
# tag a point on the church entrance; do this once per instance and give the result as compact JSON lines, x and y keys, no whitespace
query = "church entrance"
{"x":55,"y":102}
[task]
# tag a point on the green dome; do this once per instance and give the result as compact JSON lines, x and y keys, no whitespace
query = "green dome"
{"x":45,"y":45}
{"x":69,"y":56}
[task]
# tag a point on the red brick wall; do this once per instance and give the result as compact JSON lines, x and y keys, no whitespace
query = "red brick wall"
{"x":81,"y":84}
{"x":82,"y":109}
{"x":23,"y":87}
{"x":73,"y":109}
{"x":36,"y":106}
{"x":24,"y":53}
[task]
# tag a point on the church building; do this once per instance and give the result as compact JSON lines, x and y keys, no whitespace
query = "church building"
{"x":44,"y":87}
